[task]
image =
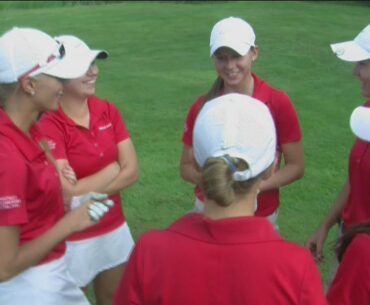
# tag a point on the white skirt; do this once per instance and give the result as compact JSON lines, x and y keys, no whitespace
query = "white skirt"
{"x":46,"y":284}
{"x":87,"y":258}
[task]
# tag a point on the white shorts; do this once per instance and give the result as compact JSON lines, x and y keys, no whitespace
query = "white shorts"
{"x":87,"y":258}
{"x":47,"y":284}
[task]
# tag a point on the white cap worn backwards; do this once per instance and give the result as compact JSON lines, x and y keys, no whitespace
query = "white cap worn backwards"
{"x":239,"y":126}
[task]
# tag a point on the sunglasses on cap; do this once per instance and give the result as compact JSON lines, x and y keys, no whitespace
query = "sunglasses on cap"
{"x":59,"y":54}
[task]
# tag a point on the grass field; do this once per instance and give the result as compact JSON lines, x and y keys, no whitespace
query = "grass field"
{"x":159,"y":64}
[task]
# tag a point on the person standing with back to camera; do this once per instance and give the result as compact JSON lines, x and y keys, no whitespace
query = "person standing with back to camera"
{"x":88,"y":136}
{"x":33,"y":226}
{"x":352,"y":205}
{"x":225,"y":255}
{"x":234,"y":51}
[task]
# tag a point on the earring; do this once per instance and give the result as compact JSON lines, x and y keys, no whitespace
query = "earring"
{"x":32,"y":93}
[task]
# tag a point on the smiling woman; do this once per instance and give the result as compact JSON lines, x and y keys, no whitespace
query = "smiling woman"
{"x":94,"y":152}
{"x":351,"y":207}
{"x":33,"y":226}
{"x":233,"y":50}
{"x":47,"y":93}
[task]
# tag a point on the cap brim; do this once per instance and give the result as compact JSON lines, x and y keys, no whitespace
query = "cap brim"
{"x":360,"y":123}
{"x":241,"y":49}
{"x":101,"y":54}
{"x":71,"y":67}
{"x":67,"y":69}
{"x":350,"y":51}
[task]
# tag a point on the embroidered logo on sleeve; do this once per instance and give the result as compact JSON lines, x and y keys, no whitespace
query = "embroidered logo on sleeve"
{"x":9,"y":202}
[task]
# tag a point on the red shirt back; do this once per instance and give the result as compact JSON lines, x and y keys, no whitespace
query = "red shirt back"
{"x":230,"y":261}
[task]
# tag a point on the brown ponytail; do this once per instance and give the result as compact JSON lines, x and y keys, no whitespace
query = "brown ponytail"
{"x":218,"y":183}
{"x":216,"y":89}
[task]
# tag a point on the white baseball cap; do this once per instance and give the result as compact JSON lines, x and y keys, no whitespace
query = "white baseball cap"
{"x":360,"y":123}
{"x":28,"y":52}
{"x":354,"y":50}
{"x":239,"y":126}
{"x":234,"y":33}
{"x":78,"y":53}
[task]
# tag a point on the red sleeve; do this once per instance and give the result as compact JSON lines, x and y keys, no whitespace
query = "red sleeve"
{"x":312,"y":288}
{"x":351,"y":284}
{"x":54,"y":132}
{"x":120,"y":129}
{"x":187,"y":137}
{"x":286,"y":119}
{"x":13,"y":181}
{"x":130,"y":290}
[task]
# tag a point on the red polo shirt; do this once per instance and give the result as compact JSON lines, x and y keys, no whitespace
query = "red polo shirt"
{"x":89,"y":150}
{"x":30,"y":192}
{"x":287,"y":128}
{"x":230,"y":261}
{"x":357,"y":208}
{"x":351,"y":285}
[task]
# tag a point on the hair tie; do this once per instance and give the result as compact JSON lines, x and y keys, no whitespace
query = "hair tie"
{"x":229,"y":162}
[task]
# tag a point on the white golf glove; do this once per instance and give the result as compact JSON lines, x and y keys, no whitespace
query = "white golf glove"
{"x":99,"y":207}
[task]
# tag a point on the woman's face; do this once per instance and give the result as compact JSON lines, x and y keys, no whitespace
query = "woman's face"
{"x":233,"y":68}
{"x":362,"y":71}
{"x":47,"y":92}
{"x":83,"y":86}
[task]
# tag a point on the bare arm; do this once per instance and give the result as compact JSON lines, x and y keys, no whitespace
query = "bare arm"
{"x":129,"y":168}
{"x":16,"y":258}
{"x":292,"y":170}
{"x":93,"y":183}
{"x":189,"y":169}
{"x":316,"y":242}
{"x":111,"y":179}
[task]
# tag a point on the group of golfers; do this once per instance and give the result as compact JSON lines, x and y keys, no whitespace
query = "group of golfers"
{"x":66,"y":155}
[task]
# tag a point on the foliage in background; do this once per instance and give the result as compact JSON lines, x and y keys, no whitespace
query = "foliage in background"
{"x":6,"y":5}
{"x":159,"y":64}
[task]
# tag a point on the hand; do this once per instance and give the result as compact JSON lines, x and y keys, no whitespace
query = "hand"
{"x":97,"y":210}
{"x":87,"y":210}
{"x":69,"y":174}
{"x":99,"y":206}
{"x":91,"y":196}
{"x":316,"y":244}
{"x":68,"y":199}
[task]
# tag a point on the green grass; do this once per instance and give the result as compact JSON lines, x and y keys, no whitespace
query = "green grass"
{"x":159,"y":64}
